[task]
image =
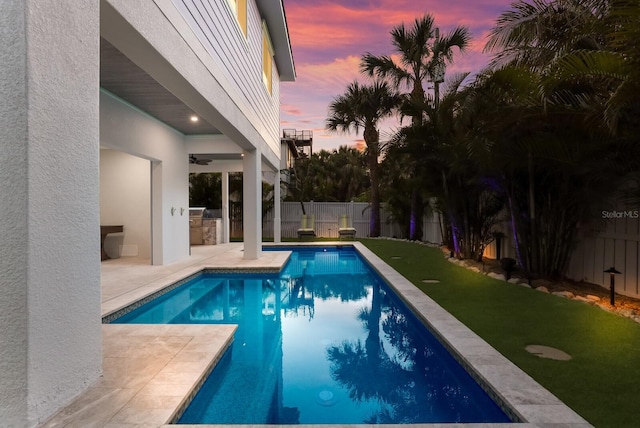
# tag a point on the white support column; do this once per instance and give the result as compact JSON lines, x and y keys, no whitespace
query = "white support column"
{"x":50,"y":334}
{"x":157,"y":214}
{"x":277,"y":219}
{"x":252,"y":204}
{"x":225,"y":207}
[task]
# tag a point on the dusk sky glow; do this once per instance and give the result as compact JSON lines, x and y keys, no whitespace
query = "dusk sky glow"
{"x":328,"y":37}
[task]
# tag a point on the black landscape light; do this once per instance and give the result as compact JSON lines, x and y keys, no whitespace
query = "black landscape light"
{"x":508,"y":265}
{"x":612,"y":287}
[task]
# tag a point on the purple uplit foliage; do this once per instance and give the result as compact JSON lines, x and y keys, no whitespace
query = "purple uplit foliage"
{"x":492,"y":183}
{"x":456,"y":245}
{"x":412,"y":226}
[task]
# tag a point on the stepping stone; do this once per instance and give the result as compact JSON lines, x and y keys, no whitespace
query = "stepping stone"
{"x":548,"y":352}
{"x":396,"y":257}
{"x":430,"y":281}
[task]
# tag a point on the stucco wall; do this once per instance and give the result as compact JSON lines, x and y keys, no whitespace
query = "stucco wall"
{"x":13,"y":220}
{"x":126,"y":129}
{"x":125,"y":198}
{"x":50,"y":243}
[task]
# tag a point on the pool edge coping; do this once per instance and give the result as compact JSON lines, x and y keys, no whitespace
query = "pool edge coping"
{"x":159,"y":287}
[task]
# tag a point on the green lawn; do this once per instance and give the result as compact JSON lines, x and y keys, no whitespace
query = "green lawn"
{"x":601,"y":382}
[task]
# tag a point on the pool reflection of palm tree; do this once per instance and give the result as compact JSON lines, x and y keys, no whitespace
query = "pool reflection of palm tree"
{"x":301,"y":292}
{"x":370,"y":373}
{"x":347,"y":288}
{"x":366,"y":370}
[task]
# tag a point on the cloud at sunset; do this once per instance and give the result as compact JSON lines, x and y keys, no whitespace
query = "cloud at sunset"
{"x":328,"y":38}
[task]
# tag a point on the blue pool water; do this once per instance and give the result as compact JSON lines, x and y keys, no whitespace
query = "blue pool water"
{"x":323,"y":342}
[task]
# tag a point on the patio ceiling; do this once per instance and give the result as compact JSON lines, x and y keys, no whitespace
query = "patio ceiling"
{"x":120,"y":76}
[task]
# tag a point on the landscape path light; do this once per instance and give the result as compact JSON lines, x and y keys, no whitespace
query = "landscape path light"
{"x":612,"y":285}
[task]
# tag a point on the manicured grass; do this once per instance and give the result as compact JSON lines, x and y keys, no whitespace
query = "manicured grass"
{"x":601,"y":382}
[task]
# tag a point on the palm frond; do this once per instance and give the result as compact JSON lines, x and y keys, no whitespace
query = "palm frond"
{"x":459,"y":37}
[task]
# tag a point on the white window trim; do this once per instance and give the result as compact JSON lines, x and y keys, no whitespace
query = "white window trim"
{"x":233,"y":8}
{"x":266,"y":37}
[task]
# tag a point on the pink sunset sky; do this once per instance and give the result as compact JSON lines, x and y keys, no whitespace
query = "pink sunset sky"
{"x":328,"y":37}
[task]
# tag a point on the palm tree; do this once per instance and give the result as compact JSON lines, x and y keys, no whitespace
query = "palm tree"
{"x":469,"y":208}
{"x":363,"y":106}
{"x":568,"y":67}
{"x":534,"y":34}
{"x":350,"y":173}
{"x":422,"y":53}
{"x":337,"y":175}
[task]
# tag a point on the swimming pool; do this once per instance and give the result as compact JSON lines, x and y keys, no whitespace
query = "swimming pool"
{"x":325,"y":341}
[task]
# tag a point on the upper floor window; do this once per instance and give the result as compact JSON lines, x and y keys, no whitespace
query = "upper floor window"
{"x":267,"y":58}
{"x":239,"y":7}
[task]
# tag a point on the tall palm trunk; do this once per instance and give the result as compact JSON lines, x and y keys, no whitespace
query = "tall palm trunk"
{"x":535,"y":265}
{"x":417,"y":209}
{"x":514,"y":226}
{"x":371,"y":139}
{"x":449,"y":210}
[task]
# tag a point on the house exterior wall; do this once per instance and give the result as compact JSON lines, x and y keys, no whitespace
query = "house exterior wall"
{"x":125,"y":199}
{"x":126,"y":129}
{"x":240,"y":60}
{"x":52,"y":121}
{"x":50,"y":346}
{"x":158,"y":39}
{"x":14,"y":225}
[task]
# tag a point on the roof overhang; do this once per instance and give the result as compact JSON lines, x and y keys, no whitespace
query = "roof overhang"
{"x":272,"y":11}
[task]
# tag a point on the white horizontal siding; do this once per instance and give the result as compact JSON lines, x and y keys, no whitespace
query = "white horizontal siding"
{"x":240,"y":58}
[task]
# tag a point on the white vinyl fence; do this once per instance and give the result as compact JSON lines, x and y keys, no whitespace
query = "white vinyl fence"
{"x":327,"y":219}
{"x":616,"y":243}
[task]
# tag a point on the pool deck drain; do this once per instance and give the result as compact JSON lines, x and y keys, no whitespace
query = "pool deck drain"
{"x":548,"y":352}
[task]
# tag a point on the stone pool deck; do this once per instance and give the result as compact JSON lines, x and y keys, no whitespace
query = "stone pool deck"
{"x":150,"y":371}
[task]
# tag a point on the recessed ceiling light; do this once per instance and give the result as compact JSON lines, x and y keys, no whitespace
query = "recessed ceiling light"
{"x":194,"y":118}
